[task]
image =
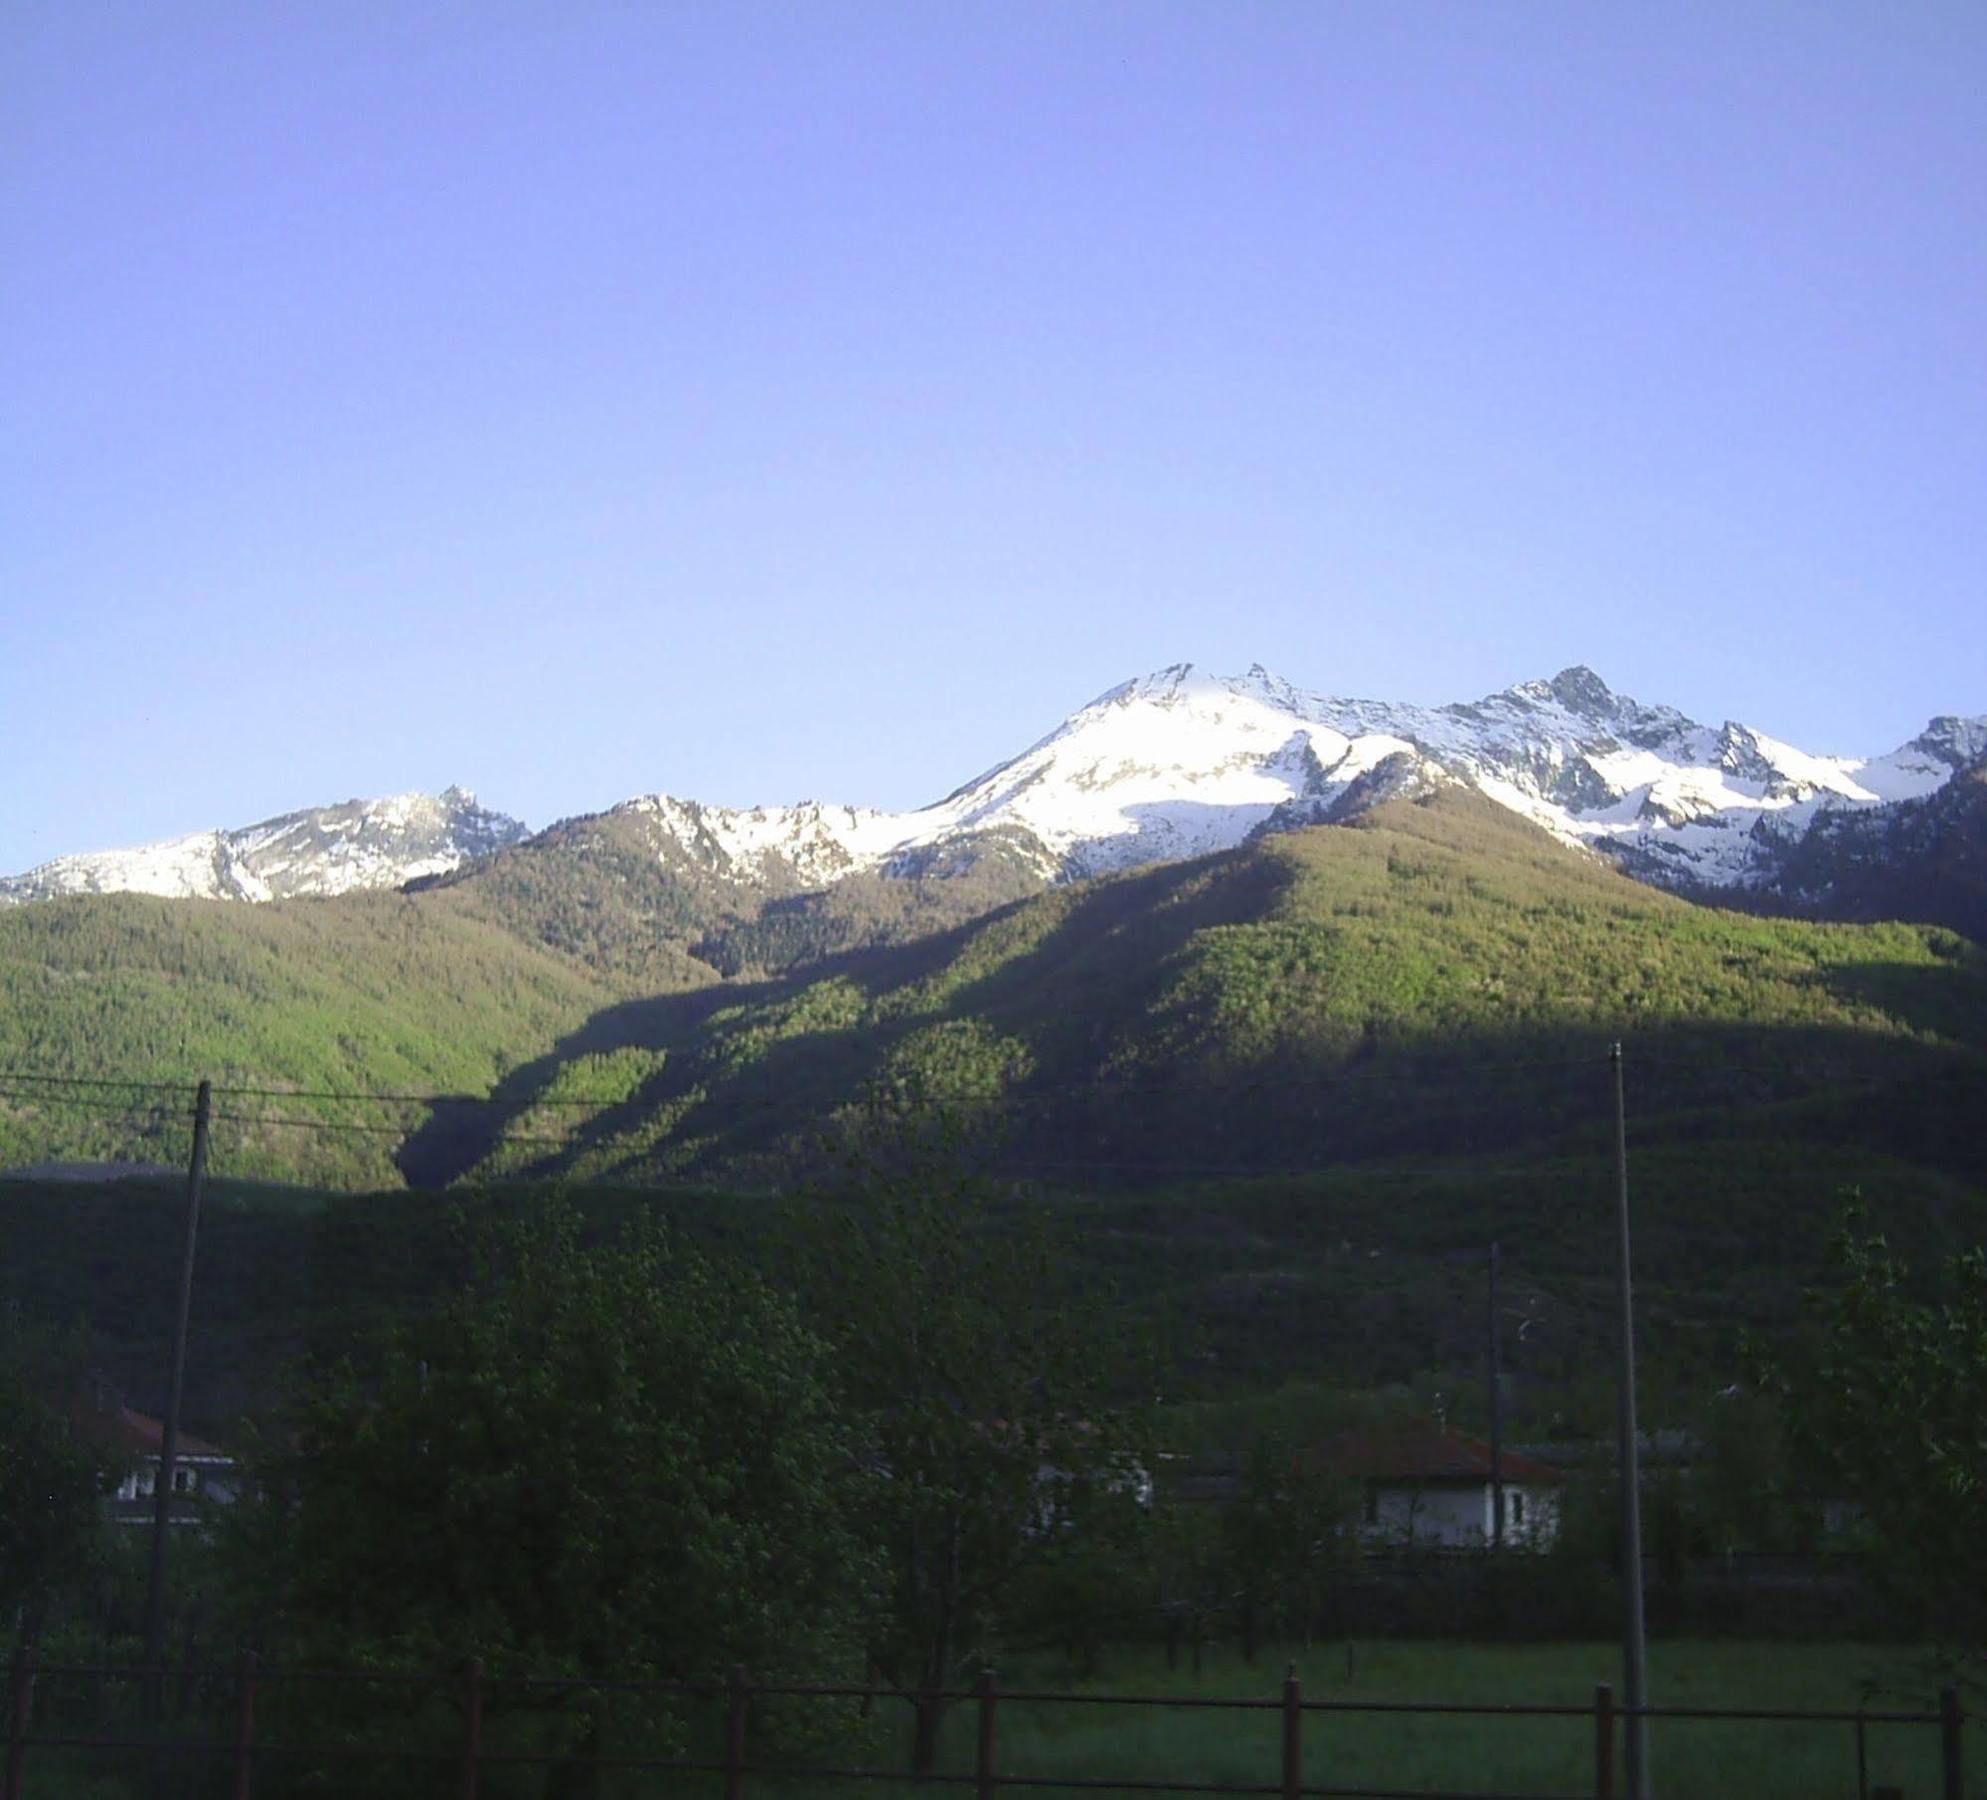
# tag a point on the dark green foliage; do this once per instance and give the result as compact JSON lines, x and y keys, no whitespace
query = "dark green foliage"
{"x":628,"y":899}
{"x":1282,"y":1541}
{"x":992,"y":1396}
{"x":606,"y":892}
{"x":50,"y":1487}
{"x":620,"y":1459}
{"x":862,"y":912}
{"x":1888,"y":1406}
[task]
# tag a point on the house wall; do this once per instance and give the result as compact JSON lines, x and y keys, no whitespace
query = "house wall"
{"x":1531,"y":1515}
{"x":1459,"y":1514}
{"x":193,"y":1476}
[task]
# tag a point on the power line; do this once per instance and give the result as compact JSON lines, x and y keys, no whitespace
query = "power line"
{"x":96,"y":1081}
{"x":1443,"y":1067}
{"x":246,"y":1093}
{"x":79,"y":1103}
{"x":361,"y":1126}
{"x":901,"y":1093}
{"x":48,"y":1092}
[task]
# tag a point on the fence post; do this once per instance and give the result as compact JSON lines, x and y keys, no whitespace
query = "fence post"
{"x":1603,"y":1742}
{"x":244,"y":1725}
{"x":1950,"y":1721}
{"x":734,"y":1734}
{"x":472,"y":1727}
{"x":20,"y":1688}
{"x":983,"y":1762}
{"x":1293,"y":1736}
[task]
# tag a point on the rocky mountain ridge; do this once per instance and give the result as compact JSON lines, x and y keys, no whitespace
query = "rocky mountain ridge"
{"x":1175,"y":764}
{"x":321,"y":850}
{"x":1181,"y":763}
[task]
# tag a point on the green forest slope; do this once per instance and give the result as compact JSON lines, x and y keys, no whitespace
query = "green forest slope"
{"x":374,"y":992}
{"x":1281,"y":1097}
{"x":1439,"y":976}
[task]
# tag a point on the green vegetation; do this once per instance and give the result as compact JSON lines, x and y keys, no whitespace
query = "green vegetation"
{"x":1888,"y":1402}
{"x":375,"y":992}
{"x":49,"y":1485}
{"x":1092,"y":1743}
{"x":1439,"y":979}
{"x":1471,"y":1755}
{"x":990,"y":1396}
{"x":583,"y":1458}
{"x":629,"y":900}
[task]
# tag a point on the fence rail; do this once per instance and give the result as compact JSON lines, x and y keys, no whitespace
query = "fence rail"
{"x":472,"y":1687}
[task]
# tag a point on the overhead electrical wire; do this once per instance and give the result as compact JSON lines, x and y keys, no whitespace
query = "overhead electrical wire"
{"x":899,"y":1092}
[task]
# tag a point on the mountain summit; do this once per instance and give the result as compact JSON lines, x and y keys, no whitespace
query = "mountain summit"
{"x":1182,"y":762}
{"x":1174,"y":764}
{"x":321,"y":850}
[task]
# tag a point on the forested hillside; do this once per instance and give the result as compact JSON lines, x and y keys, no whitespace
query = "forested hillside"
{"x":1438,"y":976}
{"x":1926,"y":859}
{"x":374,"y":992}
{"x":646,"y":912}
{"x":1275,"y":1094}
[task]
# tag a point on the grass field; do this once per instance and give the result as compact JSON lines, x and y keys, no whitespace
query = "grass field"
{"x":1488,"y":1754}
{"x":1091,"y":1745}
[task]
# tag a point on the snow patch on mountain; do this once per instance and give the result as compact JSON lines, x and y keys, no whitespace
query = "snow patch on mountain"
{"x":320,"y":851}
{"x":1182,"y":762}
{"x":1173,"y":764}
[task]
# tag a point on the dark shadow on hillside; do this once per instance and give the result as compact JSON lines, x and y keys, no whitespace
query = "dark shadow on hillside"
{"x":1112,"y":939}
{"x":791,"y":1081}
{"x":454,"y":1140}
{"x":1088,"y":972}
{"x":1948,"y":998}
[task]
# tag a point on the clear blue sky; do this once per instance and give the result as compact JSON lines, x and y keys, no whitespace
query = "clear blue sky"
{"x":758,"y":401}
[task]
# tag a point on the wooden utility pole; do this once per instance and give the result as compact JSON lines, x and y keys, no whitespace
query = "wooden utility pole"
{"x":162,"y":1496}
{"x":1496,"y":1352}
{"x":1633,"y":1644}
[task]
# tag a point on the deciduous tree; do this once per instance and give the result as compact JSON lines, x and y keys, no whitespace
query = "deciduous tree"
{"x":991,"y":1396}
{"x":1888,"y":1411}
{"x":621,"y":1458}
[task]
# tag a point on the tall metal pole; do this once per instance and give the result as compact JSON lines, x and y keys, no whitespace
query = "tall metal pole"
{"x":1633,"y":1646}
{"x":1496,"y":1349}
{"x":155,"y":1586}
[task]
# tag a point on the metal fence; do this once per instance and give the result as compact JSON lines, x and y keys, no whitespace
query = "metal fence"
{"x":241,"y":1753}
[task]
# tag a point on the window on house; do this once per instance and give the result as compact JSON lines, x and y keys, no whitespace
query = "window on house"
{"x":1517,"y":1512}
{"x":182,"y":1481}
{"x":1372,"y":1503}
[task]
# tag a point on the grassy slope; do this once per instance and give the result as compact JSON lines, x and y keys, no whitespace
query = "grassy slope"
{"x":374,"y":991}
{"x":1184,"y":1016}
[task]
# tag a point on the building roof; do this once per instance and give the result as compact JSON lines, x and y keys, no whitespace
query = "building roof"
{"x":1418,"y":1452}
{"x":106,"y":1420}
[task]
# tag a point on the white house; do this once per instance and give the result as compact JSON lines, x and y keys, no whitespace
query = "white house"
{"x":203,"y":1473}
{"x":1420,"y":1486}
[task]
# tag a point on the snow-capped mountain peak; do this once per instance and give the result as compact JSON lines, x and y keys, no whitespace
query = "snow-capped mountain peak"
{"x":321,"y":850}
{"x":1172,"y":764}
{"x":1183,"y":761}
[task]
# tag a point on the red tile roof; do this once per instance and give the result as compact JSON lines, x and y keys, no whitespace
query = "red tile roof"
{"x":118,"y":1428}
{"x":1422,"y":1453}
